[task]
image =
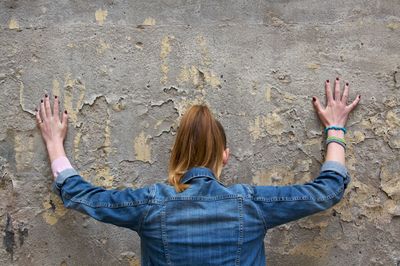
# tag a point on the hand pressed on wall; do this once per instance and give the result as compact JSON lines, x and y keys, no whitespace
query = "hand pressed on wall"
{"x":336,"y":111}
{"x":52,"y":128}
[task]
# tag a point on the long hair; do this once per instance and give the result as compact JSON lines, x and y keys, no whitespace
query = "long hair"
{"x":200,"y":142}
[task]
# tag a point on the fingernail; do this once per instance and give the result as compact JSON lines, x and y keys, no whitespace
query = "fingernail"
{"x":359,"y":96}
{"x":41,"y":100}
{"x":36,"y":109}
{"x":65,"y":112}
{"x":313,"y":98}
{"x":55,"y":96}
{"x":327,"y":81}
{"x":45,"y":95}
{"x":337,"y":78}
{"x":347,"y":84}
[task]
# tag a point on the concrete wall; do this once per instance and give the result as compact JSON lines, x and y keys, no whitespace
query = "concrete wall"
{"x":126,"y":71}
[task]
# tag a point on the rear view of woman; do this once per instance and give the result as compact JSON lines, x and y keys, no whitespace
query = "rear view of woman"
{"x":196,"y":220}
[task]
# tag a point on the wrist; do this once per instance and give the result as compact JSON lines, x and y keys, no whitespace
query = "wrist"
{"x":55,"y":150}
{"x":335,"y":133}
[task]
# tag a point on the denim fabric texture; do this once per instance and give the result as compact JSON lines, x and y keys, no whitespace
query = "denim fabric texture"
{"x":208,"y":223}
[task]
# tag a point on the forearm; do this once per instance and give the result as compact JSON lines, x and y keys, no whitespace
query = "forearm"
{"x":55,"y":150}
{"x":334,"y":151}
{"x":58,"y":159}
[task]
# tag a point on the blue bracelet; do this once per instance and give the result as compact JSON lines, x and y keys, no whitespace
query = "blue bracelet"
{"x":335,"y":128}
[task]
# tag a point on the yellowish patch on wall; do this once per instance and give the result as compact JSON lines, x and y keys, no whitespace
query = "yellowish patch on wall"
{"x":205,"y":57}
{"x":13,"y":24}
{"x":271,"y":123}
{"x":142,"y":148}
{"x":53,"y":209}
{"x":100,"y":16}
{"x":313,"y":66}
{"x":165,"y":51}
{"x":103,"y":46}
{"x":149,"y":22}
{"x":103,"y":177}
{"x":73,"y":89}
{"x":77,"y":141}
{"x":393,"y":26}
{"x":24,"y":151}
{"x":192,"y":74}
{"x":268,"y":94}
{"x":56,"y":87}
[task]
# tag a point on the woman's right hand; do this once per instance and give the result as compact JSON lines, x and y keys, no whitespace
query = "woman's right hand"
{"x":336,"y":111}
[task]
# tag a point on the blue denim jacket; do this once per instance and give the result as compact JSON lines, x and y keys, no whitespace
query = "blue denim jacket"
{"x":208,"y":223}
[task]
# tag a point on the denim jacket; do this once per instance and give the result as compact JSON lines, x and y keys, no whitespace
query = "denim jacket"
{"x":208,"y":223}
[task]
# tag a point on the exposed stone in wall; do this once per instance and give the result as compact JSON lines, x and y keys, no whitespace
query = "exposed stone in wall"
{"x":126,"y":72}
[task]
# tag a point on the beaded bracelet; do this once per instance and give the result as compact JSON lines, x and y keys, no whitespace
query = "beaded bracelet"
{"x":336,"y":141}
{"x":335,"y":128}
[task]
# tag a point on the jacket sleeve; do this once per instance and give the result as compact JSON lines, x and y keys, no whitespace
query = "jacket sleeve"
{"x":281,"y":204}
{"x":124,"y":208}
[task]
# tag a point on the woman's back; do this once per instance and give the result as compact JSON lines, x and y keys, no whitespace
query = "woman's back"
{"x":207,"y":224}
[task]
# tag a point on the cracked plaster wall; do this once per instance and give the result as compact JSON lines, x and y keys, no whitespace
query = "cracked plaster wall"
{"x":126,"y":71}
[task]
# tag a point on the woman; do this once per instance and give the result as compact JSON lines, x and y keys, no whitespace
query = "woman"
{"x":196,"y":220}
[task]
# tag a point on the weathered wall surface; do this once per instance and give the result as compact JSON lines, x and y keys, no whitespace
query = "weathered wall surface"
{"x":126,"y":71}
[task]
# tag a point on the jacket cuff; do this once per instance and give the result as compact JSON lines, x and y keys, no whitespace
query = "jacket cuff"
{"x":338,"y":168}
{"x":61,"y":177}
{"x":59,"y":165}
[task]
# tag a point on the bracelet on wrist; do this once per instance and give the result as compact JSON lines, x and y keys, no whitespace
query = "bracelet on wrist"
{"x":337,"y":140}
{"x":335,"y":128}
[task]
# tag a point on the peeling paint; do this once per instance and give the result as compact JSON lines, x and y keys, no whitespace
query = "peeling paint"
{"x":53,"y":209}
{"x":165,"y":51}
{"x":74,"y":91}
{"x":100,"y":16}
{"x":149,"y":22}
{"x":142,"y":148}
{"x":13,"y":24}
{"x":268,"y":94}
{"x":271,"y":124}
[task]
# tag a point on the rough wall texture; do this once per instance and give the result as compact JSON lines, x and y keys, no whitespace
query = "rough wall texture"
{"x":126,"y":71}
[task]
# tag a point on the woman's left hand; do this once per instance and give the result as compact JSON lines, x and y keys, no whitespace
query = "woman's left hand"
{"x":53,"y":129}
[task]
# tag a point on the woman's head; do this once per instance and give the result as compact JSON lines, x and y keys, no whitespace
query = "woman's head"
{"x":200,"y":142}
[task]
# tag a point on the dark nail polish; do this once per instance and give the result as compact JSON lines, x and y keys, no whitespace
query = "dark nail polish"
{"x":313,"y":98}
{"x":327,"y":81}
{"x":36,"y":109}
{"x":347,"y":84}
{"x":41,"y":100}
{"x":359,"y":96}
{"x":65,"y":112}
{"x":45,"y":95}
{"x":55,"y":97}
{"x":337,"y":78}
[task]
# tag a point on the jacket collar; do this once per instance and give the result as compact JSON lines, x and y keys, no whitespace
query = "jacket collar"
{"x":196,"y":172}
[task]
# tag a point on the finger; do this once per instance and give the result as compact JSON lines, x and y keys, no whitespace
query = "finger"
{"x":354,"y":103}
{"x":337,"y":90}
{"x":345,"y":95}
{"x":317,"y":105}
{"x":56,"y":113}
{"x":328,"y":92}
{"x":64,"y":118}
{"x":38,"y":118}
{"x":42,"y":110}
{"x":47,"y":105}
